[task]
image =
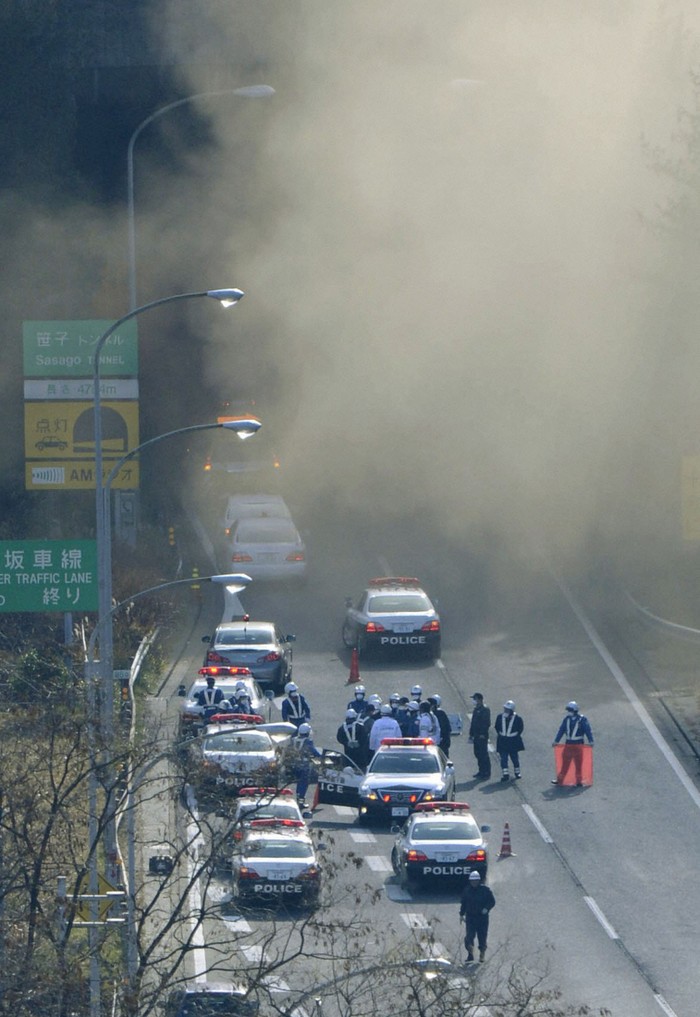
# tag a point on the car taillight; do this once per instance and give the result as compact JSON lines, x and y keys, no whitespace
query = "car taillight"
{"x":433,"y":626}
{"x":296,"y":556}
{"x":374,"y":627}
{"x":214,"y":658}
{"x":313,"y":872}
{"x":239,"y":556}
{"x":245,"y":872}
{"x":477,"y":856}
{"x":269,"y":657}
{"x":416,"y":856}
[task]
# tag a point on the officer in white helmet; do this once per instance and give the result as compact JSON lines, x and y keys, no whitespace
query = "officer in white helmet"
{"x":295,"y":709}
{"x":386,"y":726}
{"x":359,"y":702}
{"x":417,"y":693}
{"x":352,"y":736}
{"x":574,"y":729}
{"x":509,"y":728}
{"x":477,"y":901}
{"x":303,"y":754}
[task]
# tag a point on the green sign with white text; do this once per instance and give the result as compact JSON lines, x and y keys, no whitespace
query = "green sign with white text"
{"x":65,"y":349}
{"x":48,"y":575}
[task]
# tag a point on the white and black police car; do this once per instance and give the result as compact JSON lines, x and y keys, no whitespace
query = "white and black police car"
{"x":439,"y":842}
{"x":275,"y":862}
{"x":238,"y":750}
{"x":394,"y":613}
{"x":403,"y":773}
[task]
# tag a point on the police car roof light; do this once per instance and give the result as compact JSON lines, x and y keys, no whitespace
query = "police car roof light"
{"x":415,"y":742}
{"x":394,"y":581}
{"x":250,"y":792}
{"x":220,"y":670}
{"x":296,"y":823}
{"x":442,"y":807}
{"x":236,"y":718}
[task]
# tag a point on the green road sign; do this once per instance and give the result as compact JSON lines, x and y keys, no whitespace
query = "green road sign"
{"x":48,"y":575}
{"x":65,"y":349}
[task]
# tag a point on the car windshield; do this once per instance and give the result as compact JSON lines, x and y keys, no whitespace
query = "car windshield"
{"x":238,"y":741}
{"x":404,"y":762}
{"x":243,"y":637}
{"x":388,"y":604}
{"x":286,"y":848}
{"x":271,"y":810}
{"x":266,"y":531}
{"x":201,"y":1004}
{"x":227,"y":687}
{"x":465,"y":829}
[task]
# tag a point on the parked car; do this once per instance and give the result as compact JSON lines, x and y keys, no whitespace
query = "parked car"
{"x":276,"y":861}
{"x":393,"y":613}
{"x":254,"y":506}
{"x":268,"y":548}
{"x":440,"y":842}
{"x":227,"y":678}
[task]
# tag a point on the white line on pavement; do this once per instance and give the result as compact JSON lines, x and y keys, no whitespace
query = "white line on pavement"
{"x":378,"y":863}
{"x":530,"y":813}
{"x":415,"y":921}
{"x":601,"y":917}
{"x":664,"y":1005}
{"x":362,"y":838}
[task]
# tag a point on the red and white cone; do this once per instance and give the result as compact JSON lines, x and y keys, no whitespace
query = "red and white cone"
{"x":506,"y":850}
{"x":354,"y":675}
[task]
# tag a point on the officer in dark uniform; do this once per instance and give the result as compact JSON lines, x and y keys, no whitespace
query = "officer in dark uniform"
{"x":509,"y":739}
{"x":360,"y":703}
{"x":574,"y":728}
{"x":444,"y":722}
{"x":477,"y":902}
{"x":353,"y":737}
{"x":479,"y":736}
{"x":209,"y":698}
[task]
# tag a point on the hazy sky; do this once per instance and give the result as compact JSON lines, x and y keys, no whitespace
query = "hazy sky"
{"x":438,"y":220}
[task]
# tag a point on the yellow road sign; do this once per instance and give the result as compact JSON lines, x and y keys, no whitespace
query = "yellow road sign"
{"x":84,"y":911}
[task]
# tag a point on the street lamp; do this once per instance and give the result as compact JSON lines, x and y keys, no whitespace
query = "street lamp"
{"x":227,"y":297}
{"x":247,"y":92}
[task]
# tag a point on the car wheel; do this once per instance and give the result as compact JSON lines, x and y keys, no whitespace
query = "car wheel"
{"x":395,"y":862}
{"x":363,"y":819}
{"x":348,"y":636}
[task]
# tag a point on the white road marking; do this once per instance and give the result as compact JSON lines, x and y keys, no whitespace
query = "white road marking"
{"x":601,"y":917}
{"x":241,"y":924}
{"x":378,"y":863}
{"x":415,"y":921}
{"x":360,"y":837}
{"x":275,"y":984}
{"x":252,"y":953}
{"x":664,"y":1005}
{"x":199,"y":957}
{"x":397,"y":893}
{"x":619,"y":677}
{"x":344,"y":810}
{"x":530,"y":813}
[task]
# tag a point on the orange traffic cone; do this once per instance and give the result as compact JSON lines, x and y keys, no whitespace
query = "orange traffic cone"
{"x":506,"y":851}
{"x":354,"y":675}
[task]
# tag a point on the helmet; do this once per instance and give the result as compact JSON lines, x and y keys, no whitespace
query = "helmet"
{"x":374,"y":698}
{"x":413,"y":706}
{"x":291,"y":687}
{"x":572,"y":706}
{"x":304,"y":730}
{"x":351,"y":715}
{"x":435,"y":699}
{"x":417,"y":691}
{"x":510,"y":705}
{"x":394,"y":697}
{"x":210,"y":679}
{"x":474,"y":875}
{"x":359,"y":690}
{"x":385,"y":709}
{"x":241,"y":687}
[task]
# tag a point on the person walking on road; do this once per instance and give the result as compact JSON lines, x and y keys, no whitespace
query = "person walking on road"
{"x":443,"y":721}
{"x":509,"y":739}
{"x":574,"y":728}
{"x":477,"y":901}
{"x":479,"y":736}
{"x":353,"y":737}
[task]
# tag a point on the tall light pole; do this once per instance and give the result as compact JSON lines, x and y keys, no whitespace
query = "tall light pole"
{"x":247,"y":91}
{"x":227,"y":297}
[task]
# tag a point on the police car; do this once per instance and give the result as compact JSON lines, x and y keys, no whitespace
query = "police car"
{"x":264,"y":803}
{"x":226,"y":679}
{"x":440,"y":841}
{"x":403,"y":773}
{"x":393,"y":613}
{"x":276,"y":862}
{"x":238,"y":750}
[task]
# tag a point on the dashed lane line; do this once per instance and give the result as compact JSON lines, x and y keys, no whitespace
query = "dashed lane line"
{"x":530,"y":813}
{"x":378,"y":863}
{"x":601,"y":918}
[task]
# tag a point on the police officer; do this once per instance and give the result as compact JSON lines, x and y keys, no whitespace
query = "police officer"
{"x":509,"y":739}
{"x":394,"y":700}
{"x":371,"y":715}
{"x":353,"y":737}
{"x":385,"y":726}
{"x":479,"y":736}
{"x":295,"y":709}
{"x":477,"y":902}
{"x":443,"y":721}
{"x":402,"y":714}
{"x":417,"y":693}
{"x":359,"y":704}
{"x":304,"y":753}
{"x":241,"y":699}
{"x":574,"y":728}
{"x":209,"y":698}
{"x":428,"y":726}
{"x":412,"y":722}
